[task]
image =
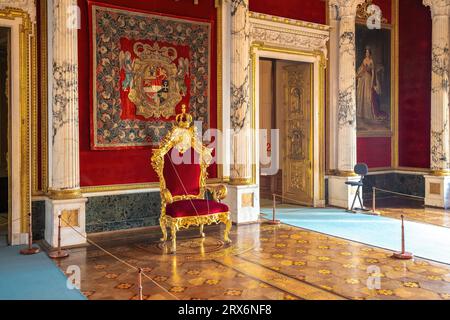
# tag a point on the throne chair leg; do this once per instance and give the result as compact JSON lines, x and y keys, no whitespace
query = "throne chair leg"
{"x":173,"y":234}
{"x":162,"y":223}
{"x":202,"y":234}
{"x":228,"y":224}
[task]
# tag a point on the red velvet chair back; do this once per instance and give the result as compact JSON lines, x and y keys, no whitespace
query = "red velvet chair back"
{"x":182,"y":178}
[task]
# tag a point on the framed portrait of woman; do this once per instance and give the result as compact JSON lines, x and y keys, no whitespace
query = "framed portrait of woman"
{"x":374,"y":84}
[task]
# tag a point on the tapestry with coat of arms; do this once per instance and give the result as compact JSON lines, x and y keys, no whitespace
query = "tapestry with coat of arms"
{"x":145,"y":67}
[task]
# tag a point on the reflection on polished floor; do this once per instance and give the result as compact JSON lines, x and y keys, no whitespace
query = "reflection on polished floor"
{"x":413,"y":210}
{"x":394,"y":207}
{"x":264,"y":262}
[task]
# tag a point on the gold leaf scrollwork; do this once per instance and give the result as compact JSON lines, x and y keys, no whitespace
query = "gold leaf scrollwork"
{"x":363,"y":13}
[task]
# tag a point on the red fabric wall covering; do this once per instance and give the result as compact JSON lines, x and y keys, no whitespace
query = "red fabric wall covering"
{"x":375,"y":152}
{"x":129,"y":166}
{"x":308,"y":10}
{"x":414,"y":84}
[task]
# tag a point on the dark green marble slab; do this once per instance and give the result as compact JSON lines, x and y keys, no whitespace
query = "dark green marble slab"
{"x":119,"y":212}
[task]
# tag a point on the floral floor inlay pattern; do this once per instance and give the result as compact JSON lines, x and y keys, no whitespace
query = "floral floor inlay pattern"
{"x":264,"y":262}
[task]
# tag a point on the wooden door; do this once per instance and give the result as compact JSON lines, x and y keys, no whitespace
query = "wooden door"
{"x":297,"y":161}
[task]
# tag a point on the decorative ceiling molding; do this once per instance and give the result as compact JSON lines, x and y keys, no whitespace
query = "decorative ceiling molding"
{"x":284,"y":32}
{"x":28,"y":6}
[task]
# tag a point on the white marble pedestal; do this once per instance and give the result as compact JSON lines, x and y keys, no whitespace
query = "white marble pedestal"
{"x":437,"y":191}
{"x":243,"y":201}
{"x":73,"y":211}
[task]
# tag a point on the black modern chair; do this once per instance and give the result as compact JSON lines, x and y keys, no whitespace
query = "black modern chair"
{"x":362,"y":170}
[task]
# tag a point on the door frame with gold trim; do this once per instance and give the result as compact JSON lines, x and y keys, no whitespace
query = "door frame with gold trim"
{"x":23,"y":97}
{"x":318,"y":61}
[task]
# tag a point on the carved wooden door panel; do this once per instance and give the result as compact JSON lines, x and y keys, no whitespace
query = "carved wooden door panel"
{"x":297,"y":162}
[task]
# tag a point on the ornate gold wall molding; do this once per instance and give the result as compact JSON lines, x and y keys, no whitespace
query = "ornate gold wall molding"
{"x":64,"y":194}
{"x":43,"y":103}
{"x":27,"y":6}
{"x":27,"y":99}
{"x":394,"y":112}
{"x":132,"y":186}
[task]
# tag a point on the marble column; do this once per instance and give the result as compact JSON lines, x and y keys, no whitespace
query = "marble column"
{"x":333,"y":73}
{"x":243,"y":196}
{"x":343,"y":14}
{"x":437,"y":184}
{"x":240,"y":91}
{"x":64,"y":186}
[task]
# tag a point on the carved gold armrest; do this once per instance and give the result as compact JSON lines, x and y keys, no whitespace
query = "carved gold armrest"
{"x":167,"y":196}
{"x":219,"y":192}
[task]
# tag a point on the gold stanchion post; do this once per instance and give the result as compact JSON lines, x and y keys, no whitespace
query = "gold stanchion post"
{"x":274,"y":203}
{"x":403,"y":255}
{"x":30,"y":250}
{"x":140,"y":283}
{"x":374,"y":207}
{"x":59,"y":253}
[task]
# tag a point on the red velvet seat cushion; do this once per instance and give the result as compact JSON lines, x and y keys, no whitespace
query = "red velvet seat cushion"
{"x":200,"y":207}
{"x":182,"y":174}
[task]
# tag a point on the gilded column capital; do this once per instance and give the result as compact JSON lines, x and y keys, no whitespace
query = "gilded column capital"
{"x":344,"y":8}
{"x":438,"y":7}
{"x":28,"y":6}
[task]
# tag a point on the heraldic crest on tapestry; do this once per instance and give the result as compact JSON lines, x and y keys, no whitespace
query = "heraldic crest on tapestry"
{"x":154,"y":82}
{"x":145,"y":67}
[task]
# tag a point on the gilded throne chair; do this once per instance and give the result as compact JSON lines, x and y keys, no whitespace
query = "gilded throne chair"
{"x":181,"y":164}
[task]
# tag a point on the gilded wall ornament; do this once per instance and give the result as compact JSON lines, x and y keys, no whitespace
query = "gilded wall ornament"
{"x":156,"y":83}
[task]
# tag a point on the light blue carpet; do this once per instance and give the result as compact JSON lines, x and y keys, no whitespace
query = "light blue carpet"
{"x":33,"y":277}
{"x":423,"y":240}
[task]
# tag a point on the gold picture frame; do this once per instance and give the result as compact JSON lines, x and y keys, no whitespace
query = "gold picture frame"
{"x":393,"y":86}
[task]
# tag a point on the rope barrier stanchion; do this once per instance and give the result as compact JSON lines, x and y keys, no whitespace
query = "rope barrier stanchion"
{"x":59,"y":253}
{"x":403,"y":255}
{"x":140,"y":284}
{"x":374,"y":207}
{"x":30,"y":250}
{"x":274,"y":204}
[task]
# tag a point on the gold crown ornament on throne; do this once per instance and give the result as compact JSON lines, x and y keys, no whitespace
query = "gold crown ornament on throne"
{"x":183,"y":119}
{"x":183,"y":133}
